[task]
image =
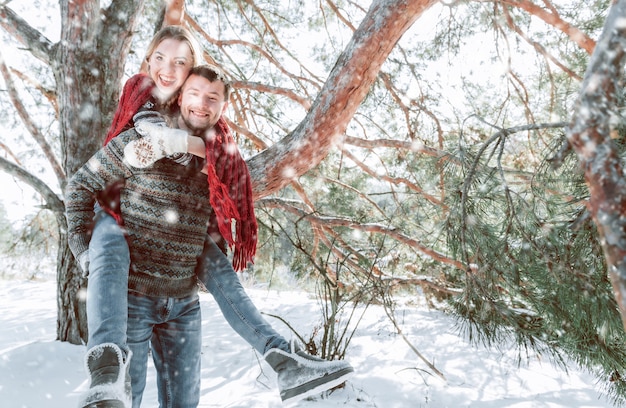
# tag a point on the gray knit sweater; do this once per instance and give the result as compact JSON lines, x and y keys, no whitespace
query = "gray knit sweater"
{"x":165,"y":209}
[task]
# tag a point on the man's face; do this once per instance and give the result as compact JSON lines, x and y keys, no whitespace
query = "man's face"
{"x":201,"y":103}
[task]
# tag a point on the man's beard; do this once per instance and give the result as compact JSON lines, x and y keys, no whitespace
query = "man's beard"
{"x":198,"y":130}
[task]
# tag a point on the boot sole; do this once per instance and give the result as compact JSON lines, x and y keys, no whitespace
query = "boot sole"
{"x":106,"y":404}
{"x":316,"y":386}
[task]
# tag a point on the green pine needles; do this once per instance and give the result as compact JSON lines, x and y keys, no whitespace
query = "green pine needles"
{"x":536,"y":271}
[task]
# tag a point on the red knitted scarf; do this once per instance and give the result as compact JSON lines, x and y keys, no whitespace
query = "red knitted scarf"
{"x":230,"y":187}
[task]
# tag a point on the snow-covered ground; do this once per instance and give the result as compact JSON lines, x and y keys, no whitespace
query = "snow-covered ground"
{"x":38,"y":372}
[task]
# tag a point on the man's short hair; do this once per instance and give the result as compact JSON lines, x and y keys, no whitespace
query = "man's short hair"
{"x":213,"y":73}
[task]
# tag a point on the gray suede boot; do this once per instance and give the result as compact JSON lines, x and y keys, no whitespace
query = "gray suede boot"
{"x":301,"y":375}
{"x":109,"y":378}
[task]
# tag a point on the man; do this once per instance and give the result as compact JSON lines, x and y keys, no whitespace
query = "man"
{"x":166,"y":209}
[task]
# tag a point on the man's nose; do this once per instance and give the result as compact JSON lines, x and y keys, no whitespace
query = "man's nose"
{"x":205,"y":100}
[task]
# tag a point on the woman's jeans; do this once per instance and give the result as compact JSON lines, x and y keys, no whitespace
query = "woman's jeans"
{"x":107,"y":285}
{"x":215,"y":271}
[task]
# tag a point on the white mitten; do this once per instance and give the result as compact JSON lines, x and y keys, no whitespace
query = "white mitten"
{"x":157,"y":142}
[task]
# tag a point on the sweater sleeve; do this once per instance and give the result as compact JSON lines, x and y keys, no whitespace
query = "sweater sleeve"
{"x":101,"y":170}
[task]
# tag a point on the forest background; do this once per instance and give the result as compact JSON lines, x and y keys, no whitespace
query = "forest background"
{"x":467,"y":152}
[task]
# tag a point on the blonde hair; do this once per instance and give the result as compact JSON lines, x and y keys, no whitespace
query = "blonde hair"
{"x":178,"y":33}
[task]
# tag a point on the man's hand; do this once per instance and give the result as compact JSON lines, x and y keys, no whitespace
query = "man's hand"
{"x":157,"y":142}
{"x":83,"y":261}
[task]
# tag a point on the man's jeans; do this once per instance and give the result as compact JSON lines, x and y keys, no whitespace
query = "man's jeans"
{"x":171,"y":329}
{"x":107,"y":305}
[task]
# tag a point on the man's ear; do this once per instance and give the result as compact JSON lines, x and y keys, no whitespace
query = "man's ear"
{"x":224,"y":107}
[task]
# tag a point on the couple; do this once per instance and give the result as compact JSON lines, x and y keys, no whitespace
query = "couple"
{"x":165,"y":208}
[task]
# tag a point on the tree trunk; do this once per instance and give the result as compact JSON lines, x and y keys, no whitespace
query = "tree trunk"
{"x":590,"y":135}
{"x":77,"y":60}
{"x":87,"y":73}
{"x":71,"y":288}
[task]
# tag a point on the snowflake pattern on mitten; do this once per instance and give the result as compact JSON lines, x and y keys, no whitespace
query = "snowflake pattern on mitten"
{"x":143,"y":152}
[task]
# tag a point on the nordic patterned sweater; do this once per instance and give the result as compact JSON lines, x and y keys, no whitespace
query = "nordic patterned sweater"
{"x":165,"y":209}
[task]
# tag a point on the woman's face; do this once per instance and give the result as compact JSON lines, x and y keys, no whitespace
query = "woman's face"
{"x":168,"y":66}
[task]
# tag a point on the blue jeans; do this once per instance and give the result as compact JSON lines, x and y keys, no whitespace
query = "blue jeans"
{"x":108,"y":284}
{"x":216,"y":272}
{"x":172,"y":329}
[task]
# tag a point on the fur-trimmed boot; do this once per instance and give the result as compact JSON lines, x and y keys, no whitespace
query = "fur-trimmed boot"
{"x":108,"y":371}
{"x":300,"y":375}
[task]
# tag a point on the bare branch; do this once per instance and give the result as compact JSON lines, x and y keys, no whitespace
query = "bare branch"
{"x":53,"y":202}
{"x":393,"y":319}
{"x":553,"y":19}
{"x":49,"y":94}
{"x":359,"y":193}
{"x":260,"y":144}
{"x":255,"y":86}
{"x":377,"y":228}
{"x":394,"y":180}
{"x":268,"y":28}
{"x":28,"y":36}
{"x":10,"y":153}
{"x":34,"y":130}
{"x":223,"y":43}
{"x":341,"y":17}
{"x":395,"y":144}
{"x":538,"y":47}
